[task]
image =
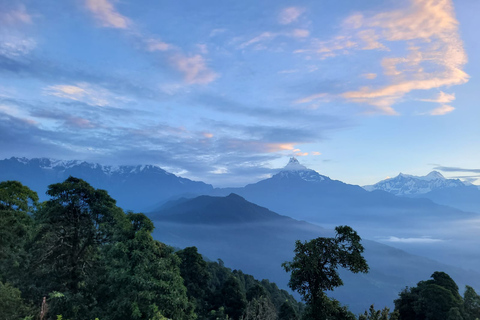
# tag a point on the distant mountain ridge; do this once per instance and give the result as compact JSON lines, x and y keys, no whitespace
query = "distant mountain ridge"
{"x":135,"y":187}
{"x":405,"y":184}
{"x":305,"y":194}
{"x":434,"y":186}
{"x":212,"y":211}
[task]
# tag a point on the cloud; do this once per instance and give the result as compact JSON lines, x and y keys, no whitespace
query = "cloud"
{"x":14,"y":48}
{"x":157,"y":45}
{"x":369,"y":76}
{"x":107,"y":15}
{"x":435,"y":55}
{"x":316,"y":153}
{"x":300,"y":33}
{"x":194,"y":68}
{"x":15,"y":16}
{"x":456,"y":169}
{"x":440,"y":111}
{"x":412,"y":240}
{"x":260,"y":38}
{"x":441,"y":98}
{"x":267,"y":36}
{"x":84,"y":92}
{"x":290,"y":14}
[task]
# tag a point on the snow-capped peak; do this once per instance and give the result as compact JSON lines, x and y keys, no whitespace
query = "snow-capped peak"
{"x":62,"y":165}
{"x":405,"y":184}
{"x":433,"y":176}
{"x":295,"y":170}
{"x":294,"y":165}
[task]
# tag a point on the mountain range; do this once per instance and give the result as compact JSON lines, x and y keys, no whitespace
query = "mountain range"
{"x":135,"y":187}
{"x":433,"y":186}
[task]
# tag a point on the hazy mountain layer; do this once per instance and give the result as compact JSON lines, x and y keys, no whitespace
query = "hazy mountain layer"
{"x":259,"y":240}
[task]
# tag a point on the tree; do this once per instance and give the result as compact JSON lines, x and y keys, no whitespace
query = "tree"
{"x":373,"y":314}
{"x":17,"y":202}
{"x":287,"y":312}
{"x":260,"y":309}
{"x":142,"y":277}
{"x":15,"y":196}
{"x":314,"y":267}
{"x":195,"y":275}
{"x":11,"y":304}
{"x":234,"y":298}
{"x":72,"y":226}
{"x":430,"y":300}
{"x":471,"y":303}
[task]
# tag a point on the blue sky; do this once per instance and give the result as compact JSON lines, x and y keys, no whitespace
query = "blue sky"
{"x":225,"y":91}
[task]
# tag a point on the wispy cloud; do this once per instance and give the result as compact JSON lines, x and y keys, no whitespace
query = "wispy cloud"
{"x":442,"y":110}
{"x":267,"y":36}
{"x":435,"y":55}
{"x":157,"y":45}
{"x":369,"y":76}
{"x":106,"y":14}
{"x":84,"y":92}
{"x":14,"y":47}
{"x":456,"y":169}
{"x":442,"y":98}
{"x":425,"y":240}
{"x":194,"y":69}
{"x":15,"y":16}
{"x":290,"y":15}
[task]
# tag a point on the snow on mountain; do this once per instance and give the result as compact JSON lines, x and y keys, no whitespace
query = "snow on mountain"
{"x":405,"y":184}
{"x":63,"y":165}
{"x":295,"y":169}
{"x":134,"y":187}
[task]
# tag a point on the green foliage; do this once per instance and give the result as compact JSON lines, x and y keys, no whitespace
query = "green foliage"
{"x":287,"y":312}
{"x":12,"y":306}
{"x":454,"y":314}
{"x":373,"y":314}
{"x":234,"y":298}
{"x":260,"y":309}
{"x":15,"y":196}
{"x":142,"y":277}
{"x":85,"y":258}
{"x":194,"y":272}
{"x":314,"y":269}
{"x":471,"y":304}
{"x":430,"y":300}
{"x":16,"y":228}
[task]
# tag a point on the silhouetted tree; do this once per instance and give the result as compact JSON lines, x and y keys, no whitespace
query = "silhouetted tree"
{"x":314,"y":268}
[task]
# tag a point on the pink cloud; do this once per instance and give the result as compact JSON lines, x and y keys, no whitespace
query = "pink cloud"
{"x":13,"y":17}
{"x":289,"y":15}
{"x":107,"y":15}
{"x":435,"y":55}
{"x":194,"y":68}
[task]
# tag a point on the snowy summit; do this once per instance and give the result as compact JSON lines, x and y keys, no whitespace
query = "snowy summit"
{"x":294,"y":169}
{"x":294,"y":165}
{"x":405,"y":184}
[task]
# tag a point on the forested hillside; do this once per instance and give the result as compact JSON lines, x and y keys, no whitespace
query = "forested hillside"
{"x":80,"y":256}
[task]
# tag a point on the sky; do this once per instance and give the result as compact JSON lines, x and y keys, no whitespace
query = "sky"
{"x":226,"y":91}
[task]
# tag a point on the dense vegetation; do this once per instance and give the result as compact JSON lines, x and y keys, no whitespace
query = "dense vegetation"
{"x":79,"y":256}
